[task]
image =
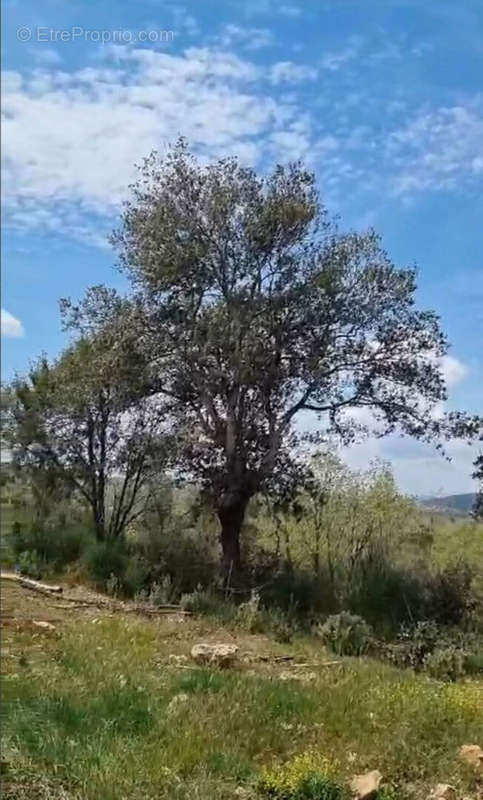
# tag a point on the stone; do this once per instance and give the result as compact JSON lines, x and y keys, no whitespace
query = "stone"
{"x":46,"y":626}
{"x":177,"y":660}
{"x":472,"y":754}
{"x":366,"y":786}
{"x":214,"y":655}
{"x":443,"y":791}
{"x":303,"y":677}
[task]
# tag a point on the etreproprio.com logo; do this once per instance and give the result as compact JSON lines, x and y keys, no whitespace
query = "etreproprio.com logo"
{"x":79,"y":34}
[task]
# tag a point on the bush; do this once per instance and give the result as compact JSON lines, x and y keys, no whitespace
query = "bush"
{"x":208,"y":603}
{"x":307,"y":777}
{"x":446,"y":664}
{"x":298,"y":592}
{"x":249,"y":617}
{"x":55,"y":547}
{"x":388,"y":596}
{"x":104,"y":560}
{"x":159,"y":592}
{"x":418,"y":642}
{"x":281,"y":626}
{"x":346,"y":634}
{"x":30,"y":565}
{"x":452,"y":597}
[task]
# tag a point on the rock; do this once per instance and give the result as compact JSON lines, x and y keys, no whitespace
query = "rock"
{"x":366,"y":786}
{"x":303,"y":677}
{"x":216,"y":655}
{"x":472,"y":754}
{"x":46,"y":626}
{"x":174,"y":659}
{"x":443,"y":791}
{"x":177,"y":701}
{"x":241,"y":793}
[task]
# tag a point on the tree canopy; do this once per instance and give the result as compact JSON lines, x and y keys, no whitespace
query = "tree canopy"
{"x":85,"y":421}
{"x":255,"y":308}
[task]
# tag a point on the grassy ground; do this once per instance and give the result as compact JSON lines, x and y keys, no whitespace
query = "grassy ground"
{"x":89,"y":711}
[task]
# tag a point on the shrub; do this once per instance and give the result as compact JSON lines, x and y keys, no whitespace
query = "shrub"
{"x":206,"y":602}
{"x":54,"y":546}
{"x":446,"y":664}
{"x":388,"y":596}
{"x":163,"y":591}
{"x":307,"y":777}
{"x":452,"y":598}
{"x":418,"y":642}
{"x":297,"y":591}
{"x":346,"y":634}
{"x":282,"y":626}
{"x":474,"y":663}
{"x":134,"y":577}
{"x":104,"y":560}
{"x":249,"y":616}
{"x":30,"y":565}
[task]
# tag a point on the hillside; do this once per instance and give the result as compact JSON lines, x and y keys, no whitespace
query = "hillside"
{"x":451,"y":504}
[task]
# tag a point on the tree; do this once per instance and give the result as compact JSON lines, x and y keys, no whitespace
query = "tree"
{"x":256,"y":309}
{"x":478,"y":476}
{"x":85,"y":421}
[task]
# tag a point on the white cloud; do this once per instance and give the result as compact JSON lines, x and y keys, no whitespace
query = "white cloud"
{"x":250,"y":38}
{"x":439,"y":148}
{"x":11,"y":326}
{"x":419,"y":470}
{"x":454,"y":371}
{"x":71,"y":139}
{"x":334,"y":60}
{"x":288,"y":72}
{"x":290,"y":10}
{"x":46,"y":56}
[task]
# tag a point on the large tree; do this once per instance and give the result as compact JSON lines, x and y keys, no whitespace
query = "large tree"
{"x":256,"y":309}
{"x":86,"y":422}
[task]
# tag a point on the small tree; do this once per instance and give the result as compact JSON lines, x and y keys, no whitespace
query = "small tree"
{"x":84,"y":422}
{"x":257,"y":308}
{"x":478,"y":475}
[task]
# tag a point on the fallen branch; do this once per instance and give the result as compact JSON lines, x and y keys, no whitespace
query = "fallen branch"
{"x":29,"y":583}
{"x":153,"y":612}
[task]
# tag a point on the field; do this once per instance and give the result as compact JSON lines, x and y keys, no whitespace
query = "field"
{"x":97,"y":709}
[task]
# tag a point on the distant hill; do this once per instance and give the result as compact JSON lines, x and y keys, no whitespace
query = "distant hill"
{"x":452,"y":504}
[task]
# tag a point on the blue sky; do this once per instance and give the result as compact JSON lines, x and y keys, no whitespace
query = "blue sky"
{"x":382,"y":98}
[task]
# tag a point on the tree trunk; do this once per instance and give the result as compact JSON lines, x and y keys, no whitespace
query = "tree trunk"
{"x":231,"y":515}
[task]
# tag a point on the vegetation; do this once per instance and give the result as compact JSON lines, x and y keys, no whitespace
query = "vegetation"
{"x":158,"y":458}
{"x":258,"y":308}
{"x":91,"y":714}
{"x":84,"y":425}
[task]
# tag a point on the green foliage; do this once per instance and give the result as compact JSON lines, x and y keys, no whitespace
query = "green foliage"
{"x":90,"y":709}
{"x":446,"y":664}
{"x":104,"y":560}
{"x":208,"y":603}
{"x":30,"y":564}
{"x":308,"y":776}
{"x":346,"y":634}
{"x":452,"y":598}
{"x":249,"y":616}
{"x":254,"y":287}
{"x":281,"y":626}
{"x":55,"y":542}
{"x":444,"y":653}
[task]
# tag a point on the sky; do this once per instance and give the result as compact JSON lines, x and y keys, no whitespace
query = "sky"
{"x":382,"y":99}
